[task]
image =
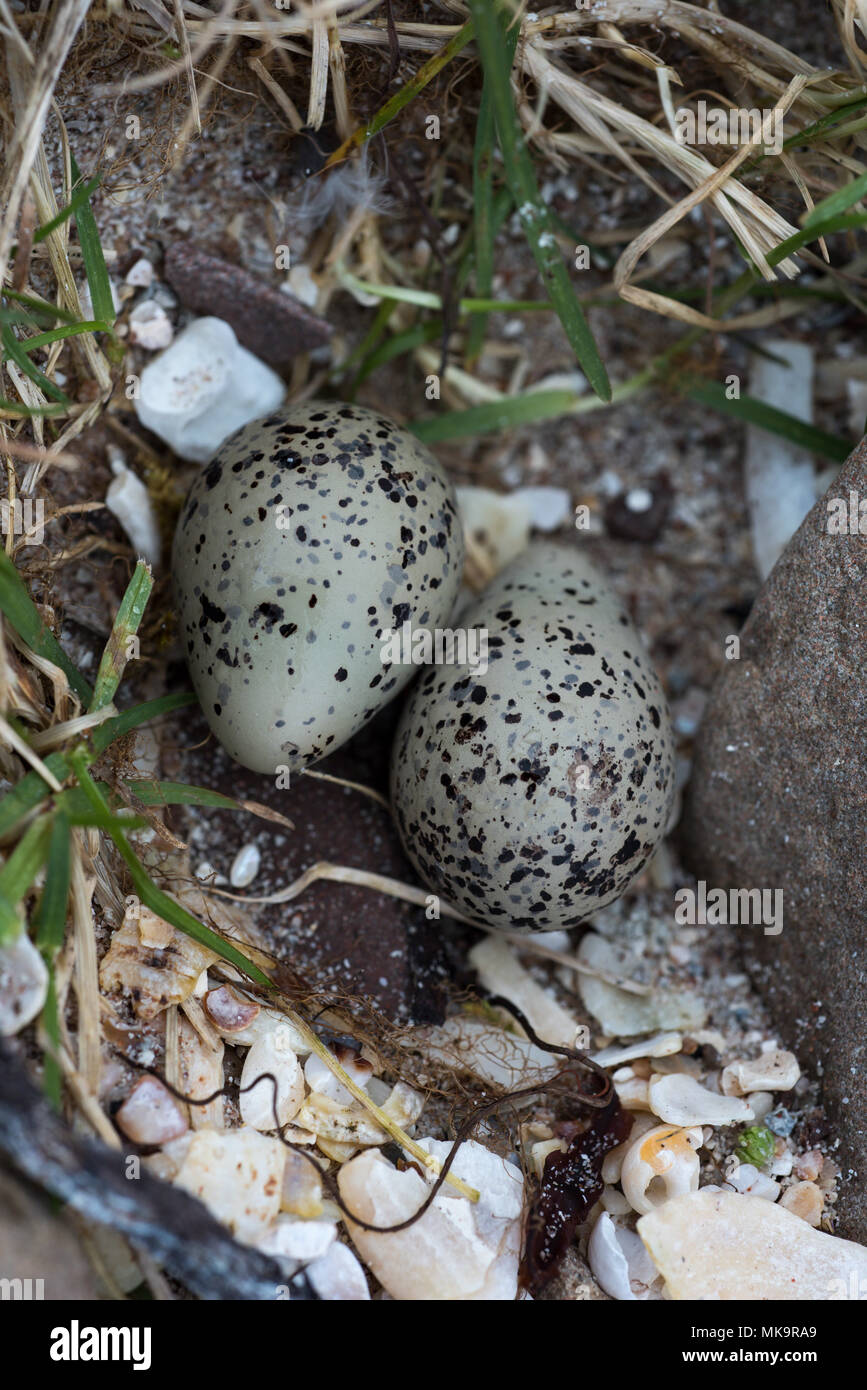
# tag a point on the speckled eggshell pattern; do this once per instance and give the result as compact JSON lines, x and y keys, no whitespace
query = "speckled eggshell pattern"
{"x":312,"y":531}
{"x":530,"y":795}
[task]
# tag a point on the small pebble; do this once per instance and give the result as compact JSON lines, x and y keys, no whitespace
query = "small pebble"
{"x":245,"y":866}
{"x":140,"y":274}
{"x":150,"y":326}
{"x":804,"y":1199}
{"x":150,"y":1114}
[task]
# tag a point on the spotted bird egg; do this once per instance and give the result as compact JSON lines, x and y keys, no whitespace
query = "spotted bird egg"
{"x":530,"y":794}
{"x":314,"y":532}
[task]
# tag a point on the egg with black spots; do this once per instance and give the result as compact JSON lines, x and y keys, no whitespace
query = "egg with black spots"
{"x":312,"y":534}
{"x":530,"y":794}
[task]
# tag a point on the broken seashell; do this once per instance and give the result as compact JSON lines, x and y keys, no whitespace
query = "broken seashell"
{"x":153,"y":931}
{"x":237,"y":1173}
{"x":264,"y":1022}
{"x":720,"y":1245}
{"x":660,"y":1045}
{"x":342,"y":1124}
{"x":272,"y":1056}
{"x":770,"y":1071}
{"x":623,"y":1015}
{"x":150,"y":1114}
{"x":457,"y":1249}
{"x":612,"y":1163}
{"x":539,"y":1152}
{"x":806,"y":1200}
{"x":501,"y":972}
{"x":632,"y":1090}
{"x":154,"y":978}
{"x":321,"y":1078}
{"x":338,"y":1277}
{"x":620,"y":1262}
{"x":229,"y":1012}
{"x":404,"y":1105}
{"x":680,"y":1100}
{"x":748,"y":1179}
{"x":660,"y":1165}
{"x":201,"y":1074}
{"x":486,"y":1051}
{"x":302,"y":1187}
{"x":291,"y":1238}
{"x":23,"y":985}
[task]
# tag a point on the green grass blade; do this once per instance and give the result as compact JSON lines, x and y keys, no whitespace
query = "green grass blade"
{"x":80,"y":195}
{"x":491,"y":41}
{"x":837,"y":203}
{"x":18,"y":873}
{"x":495,"y":415}
{"x":153,"y":897}
{"x":16,"y":350}
{"x":105,"y":734}
{"x":22,"y":613}
{"x":92,"y":254}
{"x":767,"y":417}
{"x":125,"y":626}
{"x":67,"y":330}
{"x":49,"y":919}
{"x":483,"y":201}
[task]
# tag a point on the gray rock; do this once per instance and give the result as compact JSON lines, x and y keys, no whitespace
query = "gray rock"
{"x":778,"y":799}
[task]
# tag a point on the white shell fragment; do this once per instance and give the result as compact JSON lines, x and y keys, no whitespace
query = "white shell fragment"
{"x":238,"y":1175}
{"x":150,"y":1114}
{"x":747,"y":1178}
{"x":321,"y":1078}
{"x":620,"y":1262}
{"x":338,"y":1276}
{"x":681,"y":1100}
{"x":458,"y":1250}
{"x":498,"y":524}
{"x":500,"y":971}
{"x":661,"y":1045}
{"x":660,"y":1165}
{"x":140,"y":274}
{"x":271,"y":1056}
{"x":150,"y":326}
{"x":490,"y":1053}
{"x":806,"y":1200}
{"x":292,"y":1239}
{"x":203,"y":388}
{"x":245,"y":866}
{"x":153,"y":979}
{"x":23,"y":985}
{"x":719,"y":1245}
{"x":129,"y":500}
{"x":770,"y":1071}
{"x":623,"y":1015}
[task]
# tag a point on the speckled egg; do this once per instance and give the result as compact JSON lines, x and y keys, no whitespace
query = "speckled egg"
{"x":313,"y":531}
{"x":529,"y":795}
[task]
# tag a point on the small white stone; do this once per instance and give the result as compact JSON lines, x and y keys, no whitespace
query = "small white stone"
{"x":245,"y":866}
{"x":272,"y":1055}
{"x":204,"y":388}
{"x":301,"y":285}
{"x":338,"y":1277}
{"x":639,"y":499}
{"x":129,"y":500}
{"x":746,"y":1178}
{"x":23,"y":985}
{"x":806,"y":1200}
{"x":321,"y":1078}
{"x":150,"y":326}
{"x":237,"y":1173}
{"x":150,"y":1114}
{"x":293,"y":1239}
{"x":140,"y":274}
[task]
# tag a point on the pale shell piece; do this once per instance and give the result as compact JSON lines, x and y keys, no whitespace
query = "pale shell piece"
{"x":272,"y":1055}
{"x":321,"y":1078}
{"x":338,"y":1277}
{"x":614,"y":1202}
{"x":128,"y":499}
{"x":230,"y":1012}
{"x":746,"y":1178}
{"x":620,"y":1262}
{"x":624,"y":1015}
{"x":265,"y":1022}
{"x":660,"y":1045}
{"x":238,"y":1174}
{"x":245,"y":866}
{"x":153,"y":931}
{"x":719,"y":1245}
{"x":806,"y":1200}
{"x":302,"y":1186}
{"x":681,"y":1100}
{"x":486,"y":1051}
{"x":770,"y":1071}
{"x":150,"y":1114}
{"x":341,"y":1124}
{"x":404,"y":1105}
{"x":23,"y":985}
{"x":632,"y":1092}
{"x":500,"y":971}
{"x":153,"y":981}
{"x":667,"y":1154}
{"x":291,"y":1238}
{"x":201,"y":1067}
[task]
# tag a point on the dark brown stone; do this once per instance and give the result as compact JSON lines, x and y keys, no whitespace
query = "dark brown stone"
{"x":273,"y":325}
{"x":778,"y":799}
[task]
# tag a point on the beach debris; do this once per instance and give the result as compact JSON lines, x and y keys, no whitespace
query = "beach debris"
{"x":747,"y":1178}
{"x":806,"y":1200}
{"x":297,"y":1241}
{"x":620,"y":1262}
{"x":457,"y":1249}
{"x":237,"y":1173}
{"x":23,"y":984}
{"x":659,"y":1045}
{"x":485,"y":1050}
{"x":272,"y":1055}
{"x":773,"y":1070}
{"x":150,"y":1114}
{"x":321,"y":1078}
{"x":497,"y":526}
{"x":659,"y":1165}
{"x":229,"y":1011}
{"x":570,"y":1187}
{"x":338,"y":1276}
{"x":140,"y":274}
{"x":203,"y":388}
{"x":755,"y":1145}
{"x":501,"y":972}
{"x":623,"y":1015}
{"x":301,"y":1194}
{"x":681,"y":1100}
{"x":721,"y":1245}
{"x":153,"y":978}
{"x":150,"y":326}
{"x":245,"y":866}
{"x":201,"y":1075}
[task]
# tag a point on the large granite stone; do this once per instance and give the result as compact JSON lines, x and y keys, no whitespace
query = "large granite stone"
{"x":778,"y":799}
